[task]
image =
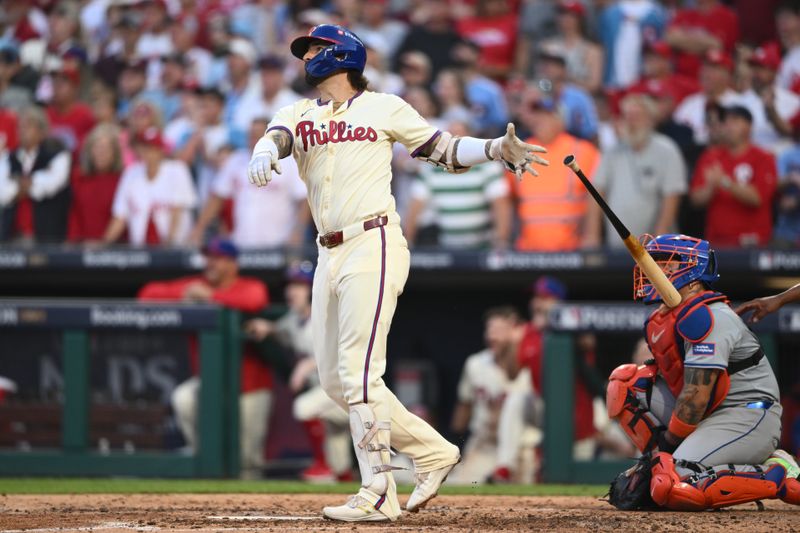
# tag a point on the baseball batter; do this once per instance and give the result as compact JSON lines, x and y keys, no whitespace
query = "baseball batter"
{"x":707,"y":405}
{"x":342,"y":143}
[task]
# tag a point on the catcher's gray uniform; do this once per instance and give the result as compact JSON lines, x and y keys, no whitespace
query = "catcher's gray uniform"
{"x":745,"y":429}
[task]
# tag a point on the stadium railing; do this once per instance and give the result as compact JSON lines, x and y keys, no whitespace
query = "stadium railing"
{"x":217,"y":332}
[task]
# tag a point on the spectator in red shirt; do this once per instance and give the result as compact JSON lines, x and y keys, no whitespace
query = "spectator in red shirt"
{"x":8,"y":130}
{"x":494,"y":29}
{"x":696,"y":31}
{"x":70,"y":120}
{"x":658,"y":66}
{"x":737,"y":182}
{"x":221,"y":283}
{"x":94,"y":183}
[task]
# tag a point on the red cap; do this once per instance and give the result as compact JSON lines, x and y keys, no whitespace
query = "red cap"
{"x":719,"y":59}
{"x":149,"y":137}
{"x":68,"y":71}
{"x":766,"y":56}
{"x":572,"y":6}
{"x":660,"y":48}
{"x":658,"y":89}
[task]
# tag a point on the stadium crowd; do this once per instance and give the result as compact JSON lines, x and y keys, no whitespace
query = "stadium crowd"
{"x":132,"y":120}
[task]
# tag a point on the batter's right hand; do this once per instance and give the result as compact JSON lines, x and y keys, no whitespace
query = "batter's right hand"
{"x":261,"y":166}
{"x":760,"y":307}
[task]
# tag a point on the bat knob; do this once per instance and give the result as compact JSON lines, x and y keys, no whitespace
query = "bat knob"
{"x":572,"y":163}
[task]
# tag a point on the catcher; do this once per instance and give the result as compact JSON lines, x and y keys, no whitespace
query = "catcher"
{"x":704,"y":411}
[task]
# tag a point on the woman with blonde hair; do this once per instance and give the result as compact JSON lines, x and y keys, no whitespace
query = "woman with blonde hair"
{"x":94,"y":182}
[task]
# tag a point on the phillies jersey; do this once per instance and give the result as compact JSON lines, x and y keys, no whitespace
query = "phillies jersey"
{"x":344,"y":156}
{"x":729,"y":222}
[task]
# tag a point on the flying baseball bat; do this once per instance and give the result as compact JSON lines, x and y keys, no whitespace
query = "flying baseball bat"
{"x":663,"y":286}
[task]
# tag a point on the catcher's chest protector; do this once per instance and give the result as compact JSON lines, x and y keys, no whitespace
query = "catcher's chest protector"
{"x":666,"y":333}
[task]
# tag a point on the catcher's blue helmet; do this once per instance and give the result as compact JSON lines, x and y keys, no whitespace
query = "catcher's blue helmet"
{"x":684,"y":259}
{"x":346,"y":52}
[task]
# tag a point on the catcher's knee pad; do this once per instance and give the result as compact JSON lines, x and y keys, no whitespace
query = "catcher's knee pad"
{"x":627,"y":399}
{"x":668,"y":490}
{"x":791,"y":491}
{"x":712,"y":488}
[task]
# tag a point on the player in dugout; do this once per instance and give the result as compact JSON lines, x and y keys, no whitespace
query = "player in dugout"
{"x":220,"y":283}
{"x":704,"y":411}
{"x":342,"y":143}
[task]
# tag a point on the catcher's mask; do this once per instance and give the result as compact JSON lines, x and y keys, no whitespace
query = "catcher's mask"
{"x":682,"y":258}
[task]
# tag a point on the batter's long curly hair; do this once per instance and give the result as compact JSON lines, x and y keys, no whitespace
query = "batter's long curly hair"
{"x":357,"y":80}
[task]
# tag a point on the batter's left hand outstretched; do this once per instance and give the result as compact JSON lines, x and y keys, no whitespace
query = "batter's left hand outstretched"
{"x":517,"y":155}
{"x":261,"y":166}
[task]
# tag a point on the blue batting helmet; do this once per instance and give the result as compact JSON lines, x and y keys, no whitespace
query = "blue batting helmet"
{"x":684,"y":259}
{"x":346,"y":52}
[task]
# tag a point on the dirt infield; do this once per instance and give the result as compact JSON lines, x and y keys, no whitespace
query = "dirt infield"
{"x":300,"y":512}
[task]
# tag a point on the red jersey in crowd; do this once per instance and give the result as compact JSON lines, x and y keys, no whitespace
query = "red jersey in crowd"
{"x":719,"y":21}
{"x":90,"y":210}
{"x":8,"y":129}
{"x":677,"y":86}
{"x":531,"y":355}
{"x":496,"y":36}
{"x":245,"y":294}
{"x":729,"y":222}
{"x":72,"y":126}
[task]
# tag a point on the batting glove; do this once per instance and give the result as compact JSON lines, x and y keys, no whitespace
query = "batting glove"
{"x":261,"y":166}
{"x":516,"y":155}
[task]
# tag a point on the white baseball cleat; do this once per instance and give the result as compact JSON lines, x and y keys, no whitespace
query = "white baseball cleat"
{"x":428,"y":484}
{"x":358,"y":509}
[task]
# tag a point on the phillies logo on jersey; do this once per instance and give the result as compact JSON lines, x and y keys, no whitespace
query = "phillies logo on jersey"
{"x":332,"y":132}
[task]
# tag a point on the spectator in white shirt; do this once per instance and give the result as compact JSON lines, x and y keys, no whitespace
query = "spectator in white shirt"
{"x":772,"y":106}
{"x":154,"y":198}
{"x":787,"y":24}
{"x":265,"y":217}
{"x":716,"y":77}
{"x":274,"y":95}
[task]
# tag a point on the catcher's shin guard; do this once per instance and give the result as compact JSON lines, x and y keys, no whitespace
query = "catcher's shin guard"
{"x":714,"y":487}
{"x":627,"y":398}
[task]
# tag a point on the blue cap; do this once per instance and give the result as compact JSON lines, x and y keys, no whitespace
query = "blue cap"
{"x":221,"y":247}
{"x":549,"y":286}
{"x":302,"y":272}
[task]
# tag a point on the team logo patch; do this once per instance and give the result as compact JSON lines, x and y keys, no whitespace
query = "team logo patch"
{"x":703,"y":348}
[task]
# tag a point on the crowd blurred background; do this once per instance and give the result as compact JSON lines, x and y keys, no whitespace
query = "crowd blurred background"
{"x":132,"y":121}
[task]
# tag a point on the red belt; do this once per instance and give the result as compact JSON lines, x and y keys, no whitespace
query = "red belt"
{"x":335,"y":238}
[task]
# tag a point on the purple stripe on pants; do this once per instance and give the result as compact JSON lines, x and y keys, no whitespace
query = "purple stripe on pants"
{"x":377,"y":311}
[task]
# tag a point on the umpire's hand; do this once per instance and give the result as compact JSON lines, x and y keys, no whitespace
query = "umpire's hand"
{"x":261,"y":166}
{"x":760,"y":307}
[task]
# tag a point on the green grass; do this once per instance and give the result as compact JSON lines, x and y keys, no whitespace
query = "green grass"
{"x":207,"y":486}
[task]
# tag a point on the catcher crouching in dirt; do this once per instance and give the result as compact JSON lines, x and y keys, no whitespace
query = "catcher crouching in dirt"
{"x":704,"y":411}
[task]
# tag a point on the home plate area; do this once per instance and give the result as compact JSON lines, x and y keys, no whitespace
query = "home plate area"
{"x":301,"y":512}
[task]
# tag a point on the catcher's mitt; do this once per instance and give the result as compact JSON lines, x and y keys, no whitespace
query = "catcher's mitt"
{"x":630,"y":490}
